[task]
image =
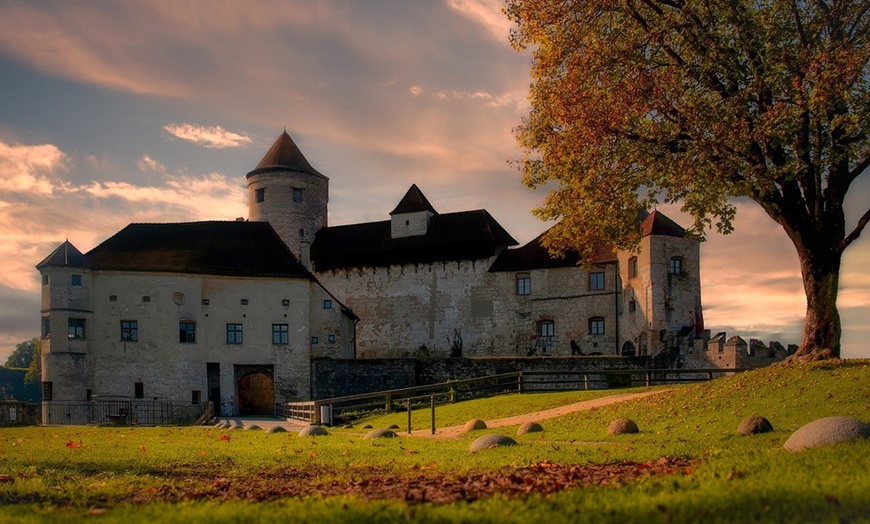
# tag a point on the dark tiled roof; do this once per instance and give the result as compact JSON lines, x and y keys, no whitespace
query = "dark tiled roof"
{"x":284,"y":155}
{"x":656,"y":223}
{"x":467,"y":235}
{"x":250,"y":249}
{"x":413,"y":201}
{"x":535,"y":256}
{"x":66,"y":255}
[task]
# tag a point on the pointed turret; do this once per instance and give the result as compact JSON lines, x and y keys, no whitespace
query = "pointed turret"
{"x":284,"y":155}
{"x":66,"y":255}
{"x":413,"y":202}
{"x":411,"y":217}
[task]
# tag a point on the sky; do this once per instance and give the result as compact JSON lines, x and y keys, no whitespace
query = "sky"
{"x":115,"y":112}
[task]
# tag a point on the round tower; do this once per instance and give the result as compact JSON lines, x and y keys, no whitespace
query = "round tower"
{"x":287,"y":192}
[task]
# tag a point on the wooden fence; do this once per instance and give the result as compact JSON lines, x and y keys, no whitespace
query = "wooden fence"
{"x":334,"y":410}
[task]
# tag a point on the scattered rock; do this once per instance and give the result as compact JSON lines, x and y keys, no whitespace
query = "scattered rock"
{"x":313,"y":431}
{"x":253,"y":427}
{"x":493,"y":440}
{"x":474,"y":424}
{"x":754,"y":425}
{"x":347,"y":426}
{"x":529,"y":427}
{"x":380,"y":433}
{"x":825,"y":431}
{"x":367,"y":426}
{"x":621,"y":426}
{"x":237,"y":426}
{"x":277,"y":429}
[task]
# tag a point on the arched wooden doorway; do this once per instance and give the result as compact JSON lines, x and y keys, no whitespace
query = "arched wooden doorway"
{"x":628,"y":349}
{"x":256,"y":390}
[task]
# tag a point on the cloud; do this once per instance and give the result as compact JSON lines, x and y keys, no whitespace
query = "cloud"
{"x":29,"y":169}
{"x":214,"y":137}
{"x":487,"y":13}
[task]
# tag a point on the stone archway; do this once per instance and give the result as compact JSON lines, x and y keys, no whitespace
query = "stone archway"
{"x":628,"y":349}
{"x":256,"y":390}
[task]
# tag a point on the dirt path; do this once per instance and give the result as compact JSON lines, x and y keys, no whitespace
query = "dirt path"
{"x":455,"y":431}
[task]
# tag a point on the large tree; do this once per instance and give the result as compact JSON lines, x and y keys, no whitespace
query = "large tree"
{"x":636,"y":102}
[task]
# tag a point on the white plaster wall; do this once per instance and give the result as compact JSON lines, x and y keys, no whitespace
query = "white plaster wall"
{"x":409,"y":224}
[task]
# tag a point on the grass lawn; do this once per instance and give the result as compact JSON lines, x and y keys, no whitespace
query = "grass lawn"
{"x":686,"y":465}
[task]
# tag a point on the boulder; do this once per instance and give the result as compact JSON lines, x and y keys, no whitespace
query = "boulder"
{"x":493,"y":440}
{"x":313,"y":431}
{"x":380,"y":433}
{"x":825,"y":431}
{"x":754,"y":425}
{"x":367,"y":426}
{"x":529,"y":427}
{"x":621,"y":426}
{"x":277,"y":429}
{"x":253,"y":427}
{"x":474,"y":424}
{"x":393,"y":426}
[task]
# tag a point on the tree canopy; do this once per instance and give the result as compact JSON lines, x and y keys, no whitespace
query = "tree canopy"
{"x":22,"y":355}
{"x":636,"y":102}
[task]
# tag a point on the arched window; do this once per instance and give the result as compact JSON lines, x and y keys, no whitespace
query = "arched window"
{"x":596,"y":326}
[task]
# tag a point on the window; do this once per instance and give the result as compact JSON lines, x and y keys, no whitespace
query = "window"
{"x":89,"y":393}
{"x":244,"y":302}
{"x":77,"y":328}
{"x":260,"y":194}
{"x":205,"y":302}
{"x":546,"y":328}
{"x":76,"y":280}
{"x":327,"y":304}
{"x":632,"y":267}
{"x":46,"y":327}
{"x":297,"y":194}
{"x":44,"y":280}
{"x":139,"y":390}
{"x":301,"y":233}
{"x":146,"y":298}
{"x":187,"y":332}
{"x":331,"y":339}
{"x":596,"y":326}
{"x":113,"y":298}
{"x":130,"y":330}
{"x":632,"y":306}
{"x":195,"y":396}
{"x":234,"y":333}
{"x":314,"y":340}
{"x":596,"y":280}
{"x":524,"y":284}
{"x":47,"y":391}
{"x":280,"y":334}
{"x":675,"y":266}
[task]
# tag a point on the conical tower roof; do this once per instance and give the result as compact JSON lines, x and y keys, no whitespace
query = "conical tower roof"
{"x":284,"y":155}
{"x":413,"y":201}
{"x":66,"y":255}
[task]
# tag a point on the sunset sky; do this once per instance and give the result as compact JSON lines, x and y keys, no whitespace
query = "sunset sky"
{"x":117,"y":112}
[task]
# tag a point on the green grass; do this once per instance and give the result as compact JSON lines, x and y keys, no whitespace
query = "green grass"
{"x":65,"y":473}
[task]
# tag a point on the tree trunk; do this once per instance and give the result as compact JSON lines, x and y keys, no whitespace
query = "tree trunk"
{"x":822,"y":330}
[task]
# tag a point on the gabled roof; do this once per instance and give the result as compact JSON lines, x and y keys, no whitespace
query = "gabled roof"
{"x":413,"y":201}
{"x":250,"y":249}
{"x":66,"y":255}
{"x":466,"y":235}
{"x":657,"y":223}
{"x":284,"y":155}
{"x":535,"y":256}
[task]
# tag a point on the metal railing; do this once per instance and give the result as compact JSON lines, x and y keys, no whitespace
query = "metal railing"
{"x":121,"y":411}
{"x":330,"y":411}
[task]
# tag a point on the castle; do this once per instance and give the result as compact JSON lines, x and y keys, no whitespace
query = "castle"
{"x":234,"y":311}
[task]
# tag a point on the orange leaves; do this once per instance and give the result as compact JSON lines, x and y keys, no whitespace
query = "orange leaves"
{"x":142,"y":449}
{"x":225,"y":438}
{"x":74,"y":445}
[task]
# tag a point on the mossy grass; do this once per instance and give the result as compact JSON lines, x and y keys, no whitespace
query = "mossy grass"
{"x":96,"y":473}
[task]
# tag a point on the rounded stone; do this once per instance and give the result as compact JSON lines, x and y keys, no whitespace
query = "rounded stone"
{"x":347,"y":426}
{"x":474,"y":424}
{"x":621,"y":426}
{"x":393,"y":426}
{"x":826,"y":431}
{"x":754,"y":425}
{"x":238,"y":426}
{"x":313,"y":431}
{"x":529,"y":427}
{"x":380,"y":433}
{"x":253,"y":427}
{"x":277,"y":429}
{"x":493,"y":440}
{"x":368,"y":426}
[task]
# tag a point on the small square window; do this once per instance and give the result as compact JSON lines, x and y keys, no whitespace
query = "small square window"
{"x":280,"y":334}
{"x":129,"y":330}
{"x":44,"y":280}
{"x":244,"y":302}
{"x":76,"y":280}
{"x":146,"y":298}
{"x":113,"y":298}
{"x":234,"y":333}
{"x":205,"y":302}
{"x":187,"y":332}
{"x":331,"y":339}
{"x":314,"y":340}
{"x":285,"y":303}
{"x":260,"y":194}
{"x":675,"y":266}
{"x":596,"y":326}
{"x":596,"y":280}
{"x":297,"y":194}
{"x":546,"y":328}
{"x":327,"y":304}
{"x":76,"y":329}
{"x":524,"y":284}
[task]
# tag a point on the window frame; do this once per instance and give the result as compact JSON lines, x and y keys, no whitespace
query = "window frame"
{"x":597,"y":280}
{"x":327,"y":303}
{"x":46,"y":327}
{"x":77,"y":331}
{"x":235,"y":333}
{"x":186,"y":332}
{"x":546,"y":328}
{"x":297,"y":193}
{"x":597,"y":326}
{"x":132,"y":328}
{"x":523,"y":284}
{"x":75,"y":280}
{"x":280,"y":334}
{"x":676,"y":263}
{"x":260,"y":195}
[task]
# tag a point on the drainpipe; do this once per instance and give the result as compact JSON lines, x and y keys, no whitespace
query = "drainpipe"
{"x":616,"y":303}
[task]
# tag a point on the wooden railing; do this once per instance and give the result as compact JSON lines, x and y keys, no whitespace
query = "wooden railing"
{"x":330,"y":411}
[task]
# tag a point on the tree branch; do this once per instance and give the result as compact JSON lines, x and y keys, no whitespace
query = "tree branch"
{"x":851,"y":237}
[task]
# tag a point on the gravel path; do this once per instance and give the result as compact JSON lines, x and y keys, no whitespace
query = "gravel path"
{"x":455,"y":431}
